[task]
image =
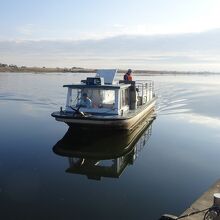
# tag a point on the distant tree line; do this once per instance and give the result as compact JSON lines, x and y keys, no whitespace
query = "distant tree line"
{"x":23,"y":67}
{"x":11,"y":65}
{"x":15,"y":68}
{"x":3,"y":65}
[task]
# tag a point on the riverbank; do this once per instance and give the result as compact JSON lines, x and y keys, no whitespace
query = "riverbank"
{"x":24,"y":69}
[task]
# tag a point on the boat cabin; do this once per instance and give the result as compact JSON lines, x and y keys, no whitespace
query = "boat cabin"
{"x":107,"y":96}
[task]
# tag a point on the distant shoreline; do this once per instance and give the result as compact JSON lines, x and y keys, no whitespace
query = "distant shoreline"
{"x":24,"y":69}
{"x":14,"y":68}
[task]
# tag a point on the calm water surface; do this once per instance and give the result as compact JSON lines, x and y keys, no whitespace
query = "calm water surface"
{"x":176,"y":161}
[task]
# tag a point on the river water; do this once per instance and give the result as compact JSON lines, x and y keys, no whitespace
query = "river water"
{"x":175,"y":160}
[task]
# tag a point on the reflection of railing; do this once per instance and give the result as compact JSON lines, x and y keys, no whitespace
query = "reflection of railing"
{"x":142,"y":142}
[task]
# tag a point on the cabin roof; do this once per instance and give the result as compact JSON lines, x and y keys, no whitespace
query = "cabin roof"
{"x":105,"y":87}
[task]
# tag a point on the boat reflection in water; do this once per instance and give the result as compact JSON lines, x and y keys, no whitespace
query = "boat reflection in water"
{"x":104,"y":154}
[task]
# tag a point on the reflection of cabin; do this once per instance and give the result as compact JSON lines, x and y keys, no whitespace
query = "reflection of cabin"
{"x":95,"y":169}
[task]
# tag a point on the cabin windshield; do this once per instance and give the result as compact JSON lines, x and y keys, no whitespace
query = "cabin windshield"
{"x":99,"y":98}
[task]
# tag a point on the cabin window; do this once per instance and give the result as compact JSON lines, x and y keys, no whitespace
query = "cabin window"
{"x":100,"y":98}
{"x":74,"y":98}
{"x":108,"y":96}
{"x":124,"y":97}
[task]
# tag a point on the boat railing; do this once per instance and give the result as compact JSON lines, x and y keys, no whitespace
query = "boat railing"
{"x":144,"y":91}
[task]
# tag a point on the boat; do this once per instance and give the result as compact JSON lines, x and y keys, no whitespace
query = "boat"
{"x":98,"y":154}
{"x":113,"y":104}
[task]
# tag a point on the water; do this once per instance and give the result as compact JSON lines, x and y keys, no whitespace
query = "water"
{"x":178,"y":162}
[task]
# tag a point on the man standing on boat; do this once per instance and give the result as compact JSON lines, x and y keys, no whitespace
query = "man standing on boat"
{"x":127,"y":76}
{"x":85,"y":101}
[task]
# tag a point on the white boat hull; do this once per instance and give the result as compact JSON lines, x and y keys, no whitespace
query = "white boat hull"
{"x":122,"y":122}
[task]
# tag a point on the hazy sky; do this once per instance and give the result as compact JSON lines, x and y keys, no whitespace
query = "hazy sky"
{"x":83,"y":19}
{"x":142,"y":34}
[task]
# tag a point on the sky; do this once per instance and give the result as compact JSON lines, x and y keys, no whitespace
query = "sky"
{"x":61,"y":24}
{"x":95,"y":19}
